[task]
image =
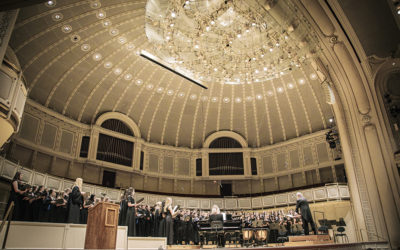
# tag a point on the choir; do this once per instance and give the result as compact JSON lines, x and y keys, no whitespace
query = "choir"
{"x":179,"y":226}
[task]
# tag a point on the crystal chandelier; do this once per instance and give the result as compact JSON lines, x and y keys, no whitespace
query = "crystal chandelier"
{"x":229,"y":42}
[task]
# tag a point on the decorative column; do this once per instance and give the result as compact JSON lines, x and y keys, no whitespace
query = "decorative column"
{"x":246,"y":163}
{"x":204,"y":161}
{"x":137,"y":154}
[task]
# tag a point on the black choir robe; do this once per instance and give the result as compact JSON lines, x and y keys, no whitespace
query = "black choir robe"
{"x":74,"y":206}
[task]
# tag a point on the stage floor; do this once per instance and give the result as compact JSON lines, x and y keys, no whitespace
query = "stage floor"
{"x":350,"y":246}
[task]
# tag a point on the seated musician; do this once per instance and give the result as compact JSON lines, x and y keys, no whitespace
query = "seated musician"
{"x":217,"y":216}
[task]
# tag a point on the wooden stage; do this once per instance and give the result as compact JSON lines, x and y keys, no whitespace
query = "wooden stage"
{"x":296,"y":242}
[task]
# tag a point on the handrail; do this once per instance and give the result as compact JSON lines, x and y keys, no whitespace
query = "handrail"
{"x":8,"y":217}
{"x":374,"y":234}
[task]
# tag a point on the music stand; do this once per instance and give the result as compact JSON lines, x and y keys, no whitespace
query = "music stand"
{"x":217,"y":226}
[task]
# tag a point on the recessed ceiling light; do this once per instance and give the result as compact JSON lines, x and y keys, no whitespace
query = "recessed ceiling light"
{"x":238,"y":100}
{"x":108,"y":65}
{"x":51,"y":3}
{"x":279,"y":89}
{"x":160,"y":90}
{"x":270,"y":93}
{"x":181,"y":94}
{"x":139,"y":82}
{"x":117,"y":71}
{"x":173,"y":14}
{"x":66,"y":28}
{"x":290,"y":85}
{"x":95,"y":5}
{"x":170,"y":92}
{"x":259,"y":97}
{"x":214,"y":99}
{"x":85,"y":47}
{"x":101,"y":14}
{"x":75,"y":38}
{"x":106,"y":23}
{"x":301,"y":81}
{"x":114,"y":31}
{"x":121,"y":40}
{"x":57,"y":16}
{"x":226,"y":99}
{"x":128,"y":77}
{"x":204,"y":98}
{"x":130,"y":46}
{"x":193,"y":96}
{"x":97,"y":56}
{"x":149,"y":86}
{"x":249,"y":98}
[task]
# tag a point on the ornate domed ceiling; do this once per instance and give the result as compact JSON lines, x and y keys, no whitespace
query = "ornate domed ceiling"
{"x":82,"y":58}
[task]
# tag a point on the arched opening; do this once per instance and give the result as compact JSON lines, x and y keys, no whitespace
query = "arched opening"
{"x":117,"y":126}
{"x":225,"y":163}
{"x":113,"y":149}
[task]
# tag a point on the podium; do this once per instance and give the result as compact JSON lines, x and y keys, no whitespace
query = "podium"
{"x":102,"y":226}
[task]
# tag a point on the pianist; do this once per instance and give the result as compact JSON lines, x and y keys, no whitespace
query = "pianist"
{"x":214,"y":217}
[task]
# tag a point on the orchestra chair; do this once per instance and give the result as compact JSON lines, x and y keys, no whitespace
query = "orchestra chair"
{"x":340,"y":232}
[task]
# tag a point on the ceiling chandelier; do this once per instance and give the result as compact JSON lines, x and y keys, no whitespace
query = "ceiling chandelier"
{"x":227,"y":41}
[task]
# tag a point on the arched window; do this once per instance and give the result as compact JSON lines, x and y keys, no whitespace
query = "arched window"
{"x":225,"y":142}
{"x":113,"y":149}
{"x":117,"y":126}
{"x":225,"y":163}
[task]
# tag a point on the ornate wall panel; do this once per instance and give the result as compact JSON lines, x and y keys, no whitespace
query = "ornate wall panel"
{"x":231,"y":204}
{"x":256,"y":202}
{"x":320,"y":194}
{"x":48,"y":135}
{"x":244,"y":203}
{"x":67,"y":139}
{"x":168,"y":167}
{"x":29,"y":127}
{"x":153,"y":163}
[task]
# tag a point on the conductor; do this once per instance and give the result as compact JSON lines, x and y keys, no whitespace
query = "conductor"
{"x":305,"y":212}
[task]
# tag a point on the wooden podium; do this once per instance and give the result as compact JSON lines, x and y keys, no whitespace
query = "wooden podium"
{"x":102,"y":226}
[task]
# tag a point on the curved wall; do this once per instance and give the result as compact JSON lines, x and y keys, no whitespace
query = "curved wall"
{"x":50,"y":143}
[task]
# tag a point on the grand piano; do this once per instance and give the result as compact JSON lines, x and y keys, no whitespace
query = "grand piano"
{"x":231,"y":230}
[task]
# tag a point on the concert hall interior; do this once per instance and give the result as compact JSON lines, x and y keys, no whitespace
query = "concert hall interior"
{"x":188,"y":124}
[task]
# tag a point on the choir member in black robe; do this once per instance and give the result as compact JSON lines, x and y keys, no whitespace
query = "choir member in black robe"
{"x":306,"y":217}
{"x":37,"y":203}
{"x":85,"y":209}
{"x":131,"y":213}
{"x":140,"y":225}
{"x":188,"y":229}
{"x":30,"y":197}
{"x":51,"y":208}
{"x":74,"y":202}
{"x":61,"y":208}
{"x":15,"y":193}
{"x":157,"y":219}
{"x":169,"y":224}
{"x":148,"y":220}
{"x":43,"y":216}
{"x":161,"y":227}
{"x":123,"y":208}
